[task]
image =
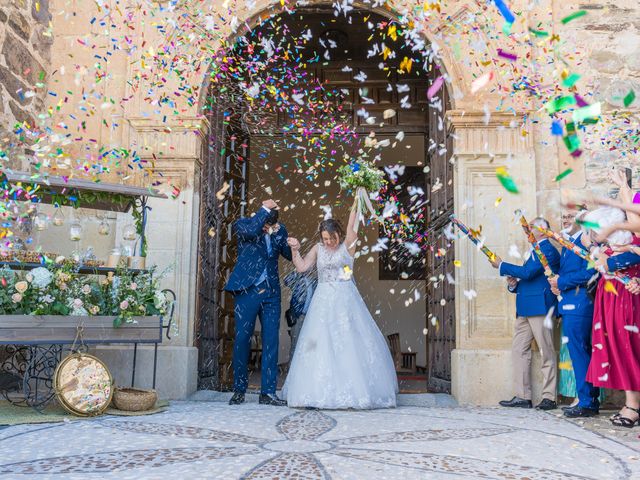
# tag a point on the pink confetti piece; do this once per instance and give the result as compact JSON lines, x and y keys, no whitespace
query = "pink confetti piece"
{"x":481,"y":82}
{"x":435,"y":87}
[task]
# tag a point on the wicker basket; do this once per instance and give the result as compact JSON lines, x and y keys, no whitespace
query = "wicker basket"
{"x":134,"y":399}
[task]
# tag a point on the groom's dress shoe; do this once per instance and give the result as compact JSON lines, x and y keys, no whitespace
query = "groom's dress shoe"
{"x":516,"y":402}
{"x":547,"y":404}
{"x":268,"y":399}
{"x":237,"y":398}
{"x":575,"y":412}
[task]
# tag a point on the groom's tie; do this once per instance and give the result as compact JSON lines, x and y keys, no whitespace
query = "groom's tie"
{"x":264,"y":276}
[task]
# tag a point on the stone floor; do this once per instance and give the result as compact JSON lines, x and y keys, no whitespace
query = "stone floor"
{"x":199,"y":439}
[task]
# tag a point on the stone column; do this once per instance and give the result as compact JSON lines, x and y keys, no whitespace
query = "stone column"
{"x":481,"y":366}
{"x":172,"y":234}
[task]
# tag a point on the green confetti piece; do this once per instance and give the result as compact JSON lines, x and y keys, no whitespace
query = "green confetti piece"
{"x":571,"y":80}
{"x":587,"y":224}
{"x":539,"y":33}
{"x":572,"y":142}
{"x":567,"y":172}
{"x":506,"y":28}
{"x":506,"y":180}
{"x":573,"y":16}
{"x":590,"y":111}
{"x":561,"y":103}
{"x":629,"y":98}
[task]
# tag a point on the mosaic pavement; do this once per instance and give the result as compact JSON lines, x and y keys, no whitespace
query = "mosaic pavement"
{"x":213,"y":440}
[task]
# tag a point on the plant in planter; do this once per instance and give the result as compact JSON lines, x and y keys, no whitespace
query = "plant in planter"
{"x":137,"y":295}
{"x":57,"y":289}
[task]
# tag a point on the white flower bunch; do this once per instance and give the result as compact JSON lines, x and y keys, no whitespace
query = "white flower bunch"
{"x":41,"y":277}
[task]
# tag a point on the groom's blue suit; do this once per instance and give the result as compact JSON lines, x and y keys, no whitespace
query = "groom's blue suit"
{"x":255,"y":284}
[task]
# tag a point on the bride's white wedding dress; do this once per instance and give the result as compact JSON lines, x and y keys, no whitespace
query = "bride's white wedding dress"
{"x":342,"y":359}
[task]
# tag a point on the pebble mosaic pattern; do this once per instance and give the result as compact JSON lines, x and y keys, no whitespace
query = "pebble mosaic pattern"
{"x":214,"y":440}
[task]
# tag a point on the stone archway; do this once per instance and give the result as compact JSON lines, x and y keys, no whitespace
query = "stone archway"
{"x":480,"y":367}
{"x":227,"y":165}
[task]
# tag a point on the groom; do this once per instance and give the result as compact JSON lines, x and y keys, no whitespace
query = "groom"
{"x":255,"y":285}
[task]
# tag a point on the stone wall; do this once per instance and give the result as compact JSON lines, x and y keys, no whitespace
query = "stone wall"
{"x":25,"y":53}
{"x":609,"y":40}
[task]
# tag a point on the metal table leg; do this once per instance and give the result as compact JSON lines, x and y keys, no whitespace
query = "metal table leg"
{"x":133,"y":374}
{"x":155,"y":363}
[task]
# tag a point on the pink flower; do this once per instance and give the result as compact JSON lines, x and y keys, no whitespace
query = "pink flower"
{"x":133,"y":286}
{"x":16,"y":297}
{"x":77,"y":303}
{"x":86,"y":289}
{"x":124,"y":305}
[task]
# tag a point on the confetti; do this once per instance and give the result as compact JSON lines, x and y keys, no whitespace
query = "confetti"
{"x":573,"y":16}
{"x":506,"y":180}
{"x":629,"y":98}
{"x":562,"y":175}
{"x":610,"y":288}
{"x":505,"y":12}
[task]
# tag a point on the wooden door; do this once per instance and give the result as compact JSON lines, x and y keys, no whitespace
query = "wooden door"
{"x":441,"y":333}
{"x":224,"y":200}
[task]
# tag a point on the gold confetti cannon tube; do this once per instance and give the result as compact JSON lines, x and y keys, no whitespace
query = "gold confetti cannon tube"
{"x":536,"y":248}
{"x":464,"y":229}
{"x":581,"y":252}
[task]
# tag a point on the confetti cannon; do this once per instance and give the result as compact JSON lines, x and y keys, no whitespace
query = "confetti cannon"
{"x":472,"y":236}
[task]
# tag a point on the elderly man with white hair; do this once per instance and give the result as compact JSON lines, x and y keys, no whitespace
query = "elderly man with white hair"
{"x":534,"y":301}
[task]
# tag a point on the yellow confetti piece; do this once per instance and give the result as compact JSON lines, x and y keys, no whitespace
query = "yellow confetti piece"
{"x":498,"y":201}
{"x":392,"y":32}
{"x":406,"y":64}
{"x":565,"y":366}
{"x":610,"y":288}
{"x":457,"y":263}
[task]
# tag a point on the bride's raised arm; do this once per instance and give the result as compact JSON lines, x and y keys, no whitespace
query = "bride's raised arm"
{"x":351,"y":237}
{"x":309,"y":260}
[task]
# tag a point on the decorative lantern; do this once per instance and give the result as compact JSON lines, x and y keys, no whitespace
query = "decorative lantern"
{"x":104,"y":229}
{"x":41,"y":222}
{"x":129,"y":232}
{"x":58,"y":218}
{"x":75,"y":232}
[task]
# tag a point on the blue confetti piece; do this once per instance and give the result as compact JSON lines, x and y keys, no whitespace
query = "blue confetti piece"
{"x":556,"y":128}
{"x":504,"y":10}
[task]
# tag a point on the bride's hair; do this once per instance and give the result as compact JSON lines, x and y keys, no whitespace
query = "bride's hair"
{"x":332,"y":227}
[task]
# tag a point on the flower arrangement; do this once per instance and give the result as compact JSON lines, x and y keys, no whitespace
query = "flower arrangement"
{"x":365,"y":180}
{"x":57,"y":289}
{"x":361,"y":174}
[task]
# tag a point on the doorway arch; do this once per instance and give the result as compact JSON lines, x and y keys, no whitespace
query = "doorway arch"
{"x":227,"y":169}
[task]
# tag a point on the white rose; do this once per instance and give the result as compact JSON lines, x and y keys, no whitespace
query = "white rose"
{"x":29,"y":277}
{"x":22,"y":286}
{"x":59,"y":259}
{"x":86,"y":289}
{"x":16,"y":298}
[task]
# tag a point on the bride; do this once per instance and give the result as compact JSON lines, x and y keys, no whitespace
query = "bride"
{"x":341,"y":359}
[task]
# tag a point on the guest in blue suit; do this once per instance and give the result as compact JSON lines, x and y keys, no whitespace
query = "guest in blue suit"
{"x":255,"y":284}
{"x":534,"y":301}
{"x":576,"y":309}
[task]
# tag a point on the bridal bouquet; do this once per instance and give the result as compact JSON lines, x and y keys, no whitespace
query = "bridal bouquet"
{"x":363,"y":177}
{"x":361,"y":174}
